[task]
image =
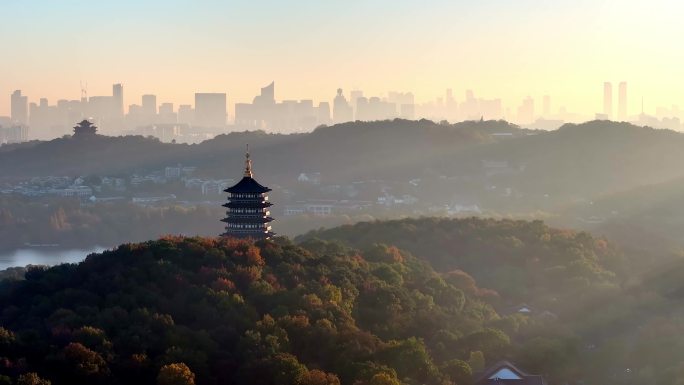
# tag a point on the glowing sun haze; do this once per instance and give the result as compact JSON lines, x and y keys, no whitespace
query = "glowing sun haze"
{"x":498,"y":48}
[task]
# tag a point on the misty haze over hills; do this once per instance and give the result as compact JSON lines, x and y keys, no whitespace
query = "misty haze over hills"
{"x":386,"y":169}
{"x":574,"y":162}
{"x":376,"y":192}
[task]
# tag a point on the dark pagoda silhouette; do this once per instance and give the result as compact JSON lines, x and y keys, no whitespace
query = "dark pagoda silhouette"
{"x":84,"y":128}
{"x":247,"y":214}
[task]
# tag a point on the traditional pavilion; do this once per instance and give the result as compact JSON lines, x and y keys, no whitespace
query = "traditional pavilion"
{"x":247,"y":214}
{"x":84,"y":128}
{"x":504,"y":372}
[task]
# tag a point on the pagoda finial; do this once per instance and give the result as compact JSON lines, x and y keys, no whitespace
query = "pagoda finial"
{"x":248,"y":164}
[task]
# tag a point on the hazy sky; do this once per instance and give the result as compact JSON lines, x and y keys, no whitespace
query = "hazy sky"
{"x":499,"y":48}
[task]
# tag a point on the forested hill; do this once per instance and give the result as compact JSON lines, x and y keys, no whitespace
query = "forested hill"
{"x":616,"y":317}
{"x":202,"y":311}
{"x":366,"y":149}
{"x":542,"y":169}
{"x":523,"y":261}
{"x":588,"y":159}
{"x":232,"y":312}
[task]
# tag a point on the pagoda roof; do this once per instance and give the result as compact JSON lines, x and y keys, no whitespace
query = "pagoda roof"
{"x":235,"y":219}
{"x":247,"y":204}
{"x":247,"y":185}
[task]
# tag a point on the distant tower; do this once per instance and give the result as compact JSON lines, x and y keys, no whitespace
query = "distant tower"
{"x":84,"y":128}
{"x":117,"y":96}
{"x":608,"y":100}
{"x":342,"y":111}
{"x":84,"y":93}
{"x":247,"y":214}
{"x":268,"y":93}
{"x":149,"y":105}
{"x":210,"y":110}
{"x":622,"y":102}
{"x":19,"y":108}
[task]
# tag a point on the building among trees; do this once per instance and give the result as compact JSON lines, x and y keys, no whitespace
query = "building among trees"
{"x":85,"y":128}
{"x":505,"y":372}
{"x":247,"y":214}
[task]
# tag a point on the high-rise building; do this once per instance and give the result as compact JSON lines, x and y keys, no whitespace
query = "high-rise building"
{"x":608,"y":100}
{"x":166,"y":114}
{"x":210,"y":110}
{"x":354,"y":97}
{"x":324,"y":113}
{"x":622,"y":101}
{"x":19,"y":108}
{"x":526,"y":111}
{"x":149,"y":105}
{"x":268,"y":94}
{"x":117,"y":101}
{"x":186,"y":114}
{"x":451,"y":112}
{"x":342,"y":111}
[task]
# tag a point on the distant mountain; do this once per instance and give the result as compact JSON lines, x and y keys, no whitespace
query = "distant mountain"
{"x":357,"y":150}
{"x":580,"y":162}
{"x":492,"y":163}
{"x":647,"y":218}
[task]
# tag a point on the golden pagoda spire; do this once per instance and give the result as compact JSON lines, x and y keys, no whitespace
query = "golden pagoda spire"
{"x":248,"y":164}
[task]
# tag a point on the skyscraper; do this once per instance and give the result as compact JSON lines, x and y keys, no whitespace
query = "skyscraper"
{"x":186,"y":114}
{"x":268,"y":94}
{"x":210,"y":110}
{"x":19,"y":108}
{"x":608,"y":100}
{"x":526,"y":111}
{"x":622,"y":101}
{"x":149,"y":105}
{"x":342,"y":111}
{"x":117,"y":102}
{"x":354,"y":97}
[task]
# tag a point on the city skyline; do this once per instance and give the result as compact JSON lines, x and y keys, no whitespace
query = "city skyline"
{"x":175,"y":48}
{"x":612,"y":104}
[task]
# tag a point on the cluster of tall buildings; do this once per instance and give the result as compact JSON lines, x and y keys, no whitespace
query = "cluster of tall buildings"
{"x":302,"y":115}
{"x":107,"y":112}
{"x":209,"y":114}
{"x":287,"y":116}
{"x":608,"y":102}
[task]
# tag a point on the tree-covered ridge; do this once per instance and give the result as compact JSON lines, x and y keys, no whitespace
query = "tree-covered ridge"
{"x":217,"y":311}
{"x":522,"y":260}
{"x":374,"y":143}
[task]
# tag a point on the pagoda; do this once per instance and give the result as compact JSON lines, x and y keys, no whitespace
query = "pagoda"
{"x":84,"y":128}
{"x":247,"y":208}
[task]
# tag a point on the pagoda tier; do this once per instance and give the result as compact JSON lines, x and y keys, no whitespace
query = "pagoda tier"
{"x":239,"y":204}
{"x":236,"y":219}
{"x":247,"y":215}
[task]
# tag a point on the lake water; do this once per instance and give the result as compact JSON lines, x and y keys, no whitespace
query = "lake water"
{"x":43,"y":256}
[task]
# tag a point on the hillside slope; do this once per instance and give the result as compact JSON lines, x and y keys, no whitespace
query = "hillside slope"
{"x":235,"y":312}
